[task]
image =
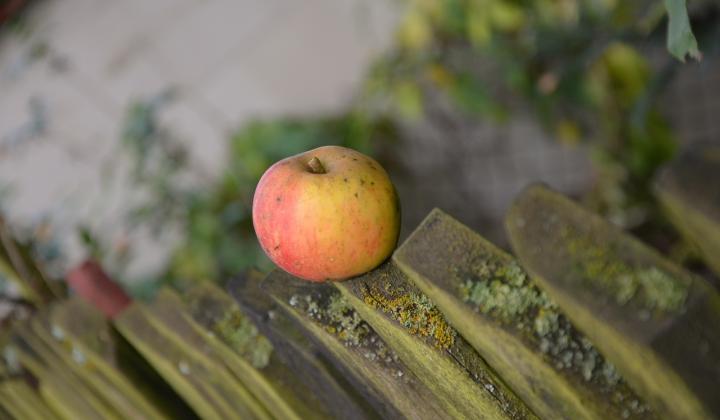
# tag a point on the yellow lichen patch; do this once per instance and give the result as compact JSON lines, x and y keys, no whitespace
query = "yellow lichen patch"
{"x":415,"y":312}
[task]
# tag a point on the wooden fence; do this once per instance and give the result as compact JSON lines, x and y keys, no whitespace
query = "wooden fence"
{"x":584,"y":322}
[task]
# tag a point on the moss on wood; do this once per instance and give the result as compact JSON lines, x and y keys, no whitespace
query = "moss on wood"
{"x":321,"y":381}
{"x":226,"y":320}
{"x":354,"y":347}
{"x":182,"y":358}
{"x":490,"y":299}
{"x":414,"y":327}
{"x":648,"y":316}
{"x":259,"y":369}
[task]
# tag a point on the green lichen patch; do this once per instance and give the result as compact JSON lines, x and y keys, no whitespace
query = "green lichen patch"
{"x":648,"y":322}
{"x":649,"y":289}
{"x":216,"y":312}
{"x":502,"y":290}
{"x":336,"y":316}
{"x":499,"y":288}
{"x":413,"y":310}
{"x":243,"y":337}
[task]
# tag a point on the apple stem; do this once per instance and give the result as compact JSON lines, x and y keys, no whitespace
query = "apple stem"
{"x":315,"y":166}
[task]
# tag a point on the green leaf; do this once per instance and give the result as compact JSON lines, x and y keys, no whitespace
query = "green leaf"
{"x":471,"y":95}
{"x":409,"y":100}
{"x":680,"y":40}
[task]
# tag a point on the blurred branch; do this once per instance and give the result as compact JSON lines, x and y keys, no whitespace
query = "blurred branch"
{"x":17,"y":263}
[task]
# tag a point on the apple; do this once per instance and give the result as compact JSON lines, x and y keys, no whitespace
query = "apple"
{"x":327,"y":214}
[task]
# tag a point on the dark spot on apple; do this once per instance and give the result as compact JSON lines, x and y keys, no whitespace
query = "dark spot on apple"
{"x":345,"y":179}
{"x":276,"y":247}
{"x":356,"y":195}
{"x":355,"y":159}
{"x":372,"y":182}
{"x":278,"y":199}
{"x":362,"y":182}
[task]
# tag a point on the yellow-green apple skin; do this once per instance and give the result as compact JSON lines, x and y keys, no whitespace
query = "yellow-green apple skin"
{"x":327,"y":214}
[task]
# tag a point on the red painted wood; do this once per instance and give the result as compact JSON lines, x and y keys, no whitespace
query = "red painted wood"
{"x":91,"y":283}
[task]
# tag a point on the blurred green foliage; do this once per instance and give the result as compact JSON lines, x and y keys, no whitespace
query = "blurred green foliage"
{"x":573,"y":63}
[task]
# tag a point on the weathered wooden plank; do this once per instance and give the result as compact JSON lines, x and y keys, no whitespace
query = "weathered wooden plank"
{"x":75,"y":362}
{"x":416,"y":329}
{"x":193,"y":377}
{"x":169,"y":314}
{"x":516,"y":327}
{"x":689,"y":189}
{"x":651,"y":319}
{"x":22,"y":402}
{"x":67,"y":402}
{"x":149,"y":381}
{"x":249,"y":354}
{"x":327,"y":319}
{"x":5,"y":414}
{"x":63,"y":391}
{"x":10,"y":407}
{"x":320,"y":378}
{"x":83,"y":338}
{"x":58,"y":356}
{"x":17,"y":264}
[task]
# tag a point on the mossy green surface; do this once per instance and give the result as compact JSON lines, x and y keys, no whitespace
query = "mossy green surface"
{"x":521,"y":332}
{"x":603,"y":267}
{"x":415,"y":328}
{"x":248,"y":354}
{"x":352,"y":345}
{"x":243,"y":337}
{"x":187,"y":361}
{"x":503,"y":291}
{"x":295,"y":354}
{"x":648,"y":316}
{"x":512,"y":300}
{"x":216,"y":311}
